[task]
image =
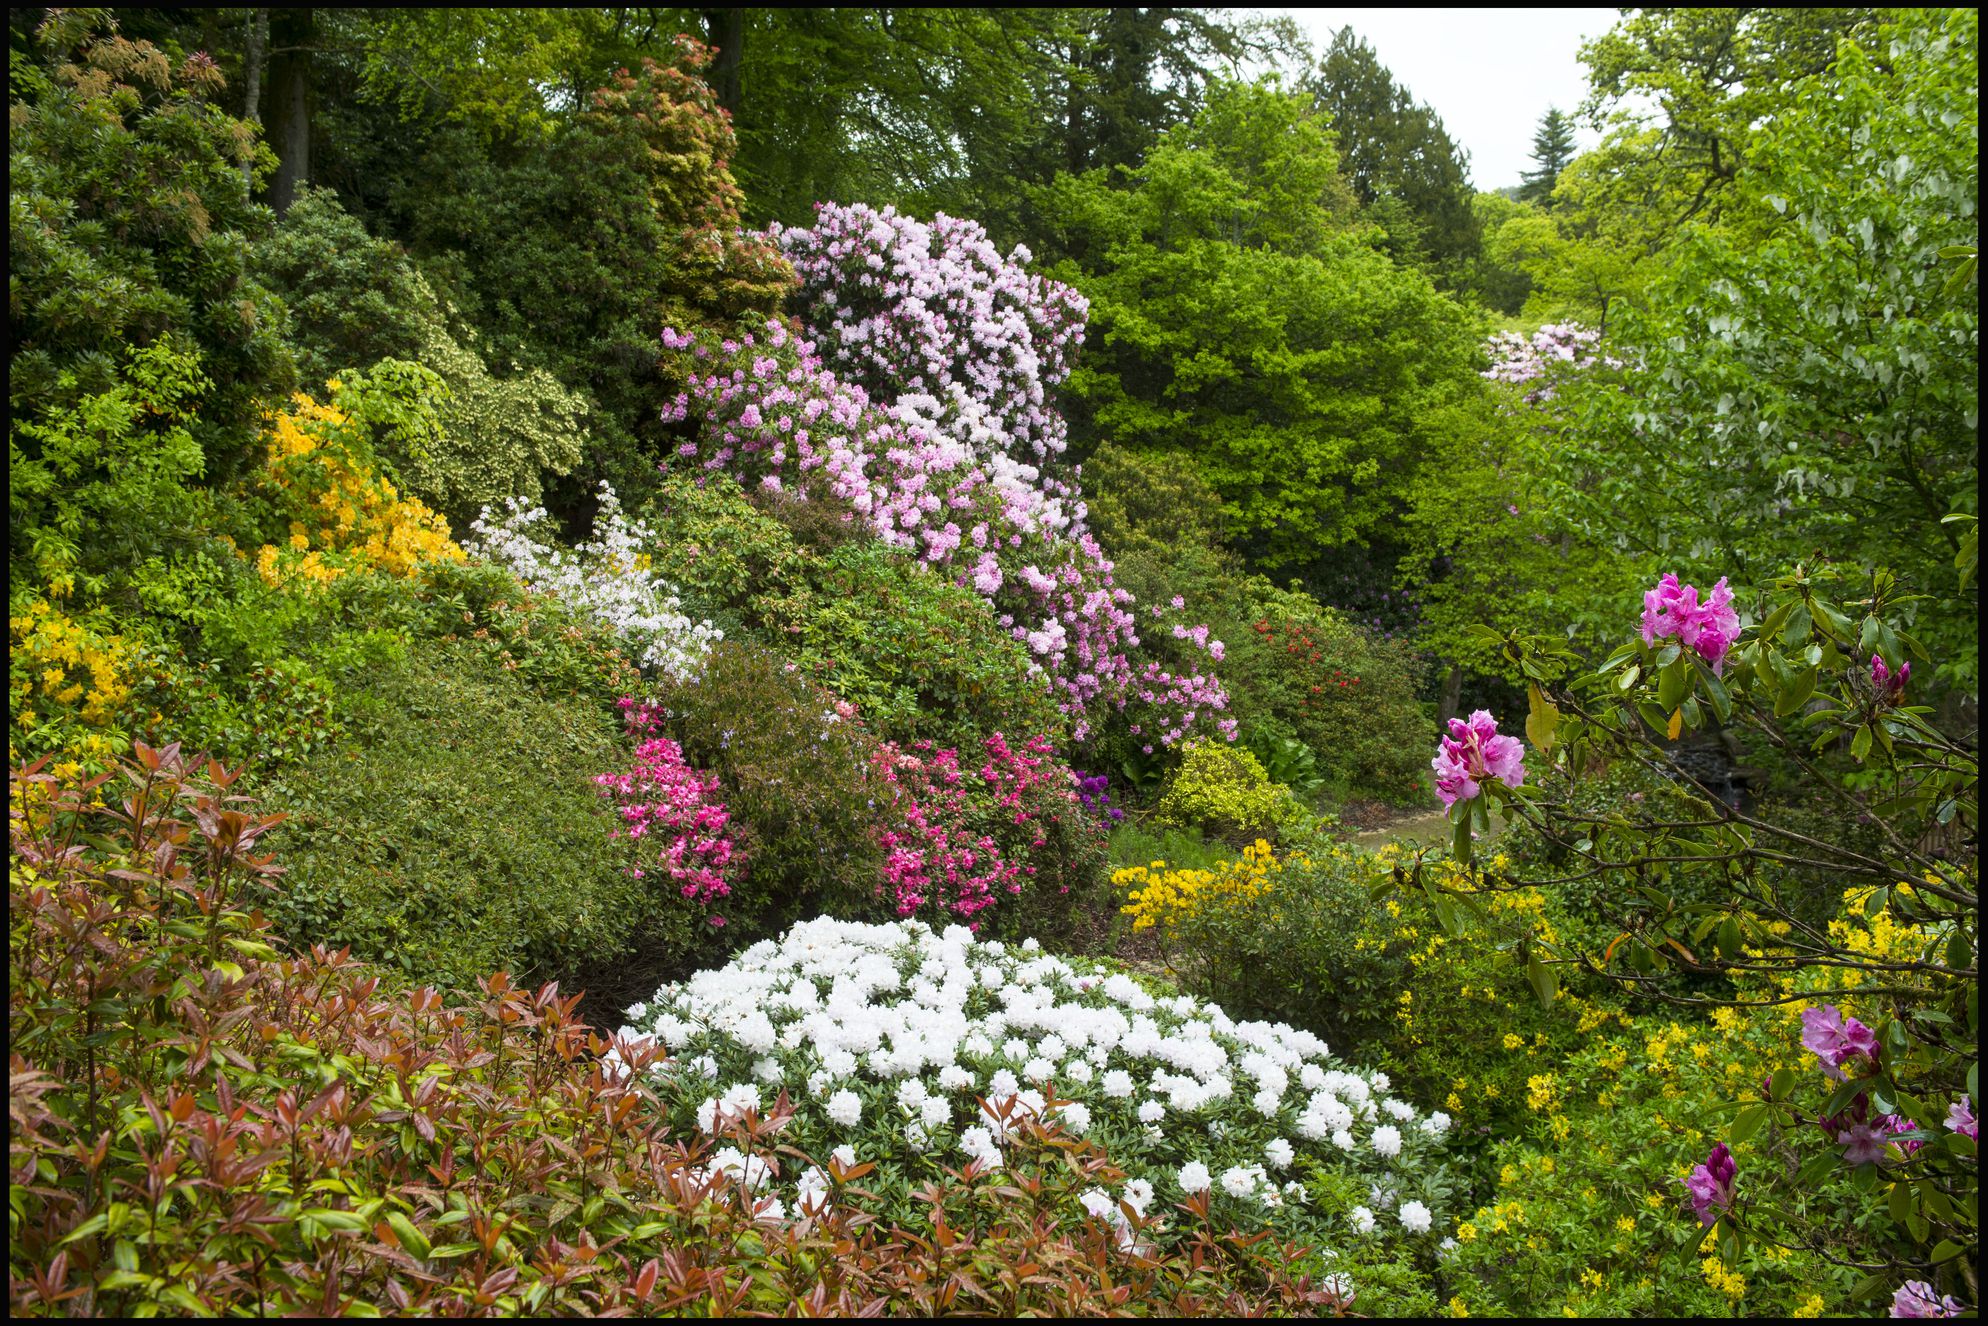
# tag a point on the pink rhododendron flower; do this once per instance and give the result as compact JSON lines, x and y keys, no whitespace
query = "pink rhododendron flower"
{"x":1862,"y":1144}
{"x":1711,"y":1184}
{"x":1836,"y":1041}
{"x":1916,"y":1298}
{"x":1473,"y":753}
{"x":1710,"y":627}
{"x":1898,"y":1123}
{"x":1960,"y":1118}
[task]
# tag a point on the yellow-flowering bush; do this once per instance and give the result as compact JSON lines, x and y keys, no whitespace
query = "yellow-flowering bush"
{"x":1162,"y":897}
{"x":69,"y":683}
{"x":1223,"y":791}
{"x":344,"y":513}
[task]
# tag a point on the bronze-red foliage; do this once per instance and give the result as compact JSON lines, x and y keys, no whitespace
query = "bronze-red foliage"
{"x":202,"y":1123}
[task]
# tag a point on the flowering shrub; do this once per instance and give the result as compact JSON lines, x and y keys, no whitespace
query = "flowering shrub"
{"x":607,"y":577}
{"x":343,"y":513}
{"x":964,"y":841}
{"x":363,"y":1148}
{"x":664,"y":799}
{"x":1224,"y":792}
{"x":914,"y":1050}
{"x":69,"y":685}
{"x":1709,"y":906}
{"x":1540,"y":358}
{"x":956,"y":477}
{"x":1473,"y":754}
{"x":906,"y":309}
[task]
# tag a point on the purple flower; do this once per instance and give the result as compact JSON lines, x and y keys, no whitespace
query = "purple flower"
{"x":1836,"y":1041}
{"x":1710,"y":627}
{"x":1889,"y":685}
{"x":1916,"y":1298}
{"x":1711,"y":1184}
{"x":1960,"y":1118}
{"x":1862,"y":1144}
{"x":1472,"y":753}
{"x":1898,"y":1123}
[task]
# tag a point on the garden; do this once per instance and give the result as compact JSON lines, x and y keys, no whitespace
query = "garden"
{"x":991,"y":662}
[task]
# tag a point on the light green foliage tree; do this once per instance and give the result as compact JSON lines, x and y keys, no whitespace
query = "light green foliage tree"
{"x":1236,"y":318}
{"x":1806,"y":380}
{"x":1713,"y":76}
{"x":1406,"y":170}
{"x":141,"y":346}
{"x":1581,"y":260}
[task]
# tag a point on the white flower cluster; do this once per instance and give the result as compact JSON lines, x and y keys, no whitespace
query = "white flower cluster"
{"x":606,"y":577}
{"x":912,"y":1044}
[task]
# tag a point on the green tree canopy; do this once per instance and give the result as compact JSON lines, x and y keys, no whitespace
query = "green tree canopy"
{"x":1241,"y":318}
{"x":1552,"y":149}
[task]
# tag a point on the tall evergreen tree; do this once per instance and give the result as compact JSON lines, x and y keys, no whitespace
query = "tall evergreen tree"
{"x":1403,"y":166}
{"x":1552,"y":149}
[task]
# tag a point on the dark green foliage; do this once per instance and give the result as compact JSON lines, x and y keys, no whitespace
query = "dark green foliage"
{"x":1295,"y":670}
{"x":458,"y":830}
{"x":1552,"y":149}
{"x":142,"y":350}
{"x":920,"y":657}
{"x":1408,"y":173}
{"x":798,"y":781}
{"x":571,"y":250}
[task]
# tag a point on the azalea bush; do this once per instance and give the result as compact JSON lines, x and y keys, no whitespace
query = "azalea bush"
{"x":1000,"y":840}
{"x":1823,"y":678}
{"x":368,"y":1147}
{"x":915,"y":1050}
{"x":607,"y":576}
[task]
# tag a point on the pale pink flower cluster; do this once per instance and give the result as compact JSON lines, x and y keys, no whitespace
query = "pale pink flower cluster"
{"x":937,"y":476}
{"x":1474,"y":754}
{"x":1520,"y":359}
{"x":1710,"y":627}
{"x":664,"y":800}
{"x":910,"y":309}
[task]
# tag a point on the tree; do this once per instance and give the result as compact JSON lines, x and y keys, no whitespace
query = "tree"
{"x":1807,"y":383}
{"x":142,"y":349}
{"x":1240,"y":318}
{"x":1552,"y":149}
{"x":1400,"y":160}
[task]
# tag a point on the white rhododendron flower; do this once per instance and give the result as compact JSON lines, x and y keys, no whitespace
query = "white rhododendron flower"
{"x":902,"y":1040}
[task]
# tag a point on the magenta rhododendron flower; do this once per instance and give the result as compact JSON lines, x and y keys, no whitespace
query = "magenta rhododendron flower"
{"x":1474,"y":753}
{"x":1711,"y":1184}
{"x":1898,"y":1123}
{"x":1887,"y":684}
{"x":1834,"y":1040}
{"x":1710,"y":627}
{"x":1916,"y":1298}
{"x":667,"y":803}
{"x":1960,"y":1118}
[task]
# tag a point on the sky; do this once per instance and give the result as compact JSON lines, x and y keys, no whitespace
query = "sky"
{"x":1490,"y":73}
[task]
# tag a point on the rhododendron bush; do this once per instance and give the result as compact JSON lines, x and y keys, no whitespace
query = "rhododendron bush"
{"x":1885,"y":1000}
{"x":923,"y":401}
{"x":914,"y":1050}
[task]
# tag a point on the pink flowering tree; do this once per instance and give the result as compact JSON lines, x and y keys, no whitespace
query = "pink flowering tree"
{"x":1698,"y":883}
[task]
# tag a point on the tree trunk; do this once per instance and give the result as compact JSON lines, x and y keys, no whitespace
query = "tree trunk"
{"x":258,"y":54}
{"x":1452,"y":700}
{"x":290,"y":103}
{"x":725,"y":30}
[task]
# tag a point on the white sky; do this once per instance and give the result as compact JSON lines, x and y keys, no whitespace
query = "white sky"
{"x":1490,"y":73}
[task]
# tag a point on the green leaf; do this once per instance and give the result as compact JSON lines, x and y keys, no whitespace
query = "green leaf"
{"x":1672,"y":683}
{"x":1542,"y":720}
{"x":1747,"y":1124}
{"x":1545,"y":981}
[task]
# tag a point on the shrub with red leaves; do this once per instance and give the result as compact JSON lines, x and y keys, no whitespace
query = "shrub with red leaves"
{"x":202,"y":1124}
